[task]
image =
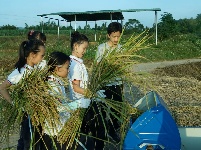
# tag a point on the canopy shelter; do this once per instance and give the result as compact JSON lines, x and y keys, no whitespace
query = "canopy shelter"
{"x":98,"y":15}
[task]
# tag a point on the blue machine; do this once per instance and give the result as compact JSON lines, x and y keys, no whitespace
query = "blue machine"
{"x":155,"y":127}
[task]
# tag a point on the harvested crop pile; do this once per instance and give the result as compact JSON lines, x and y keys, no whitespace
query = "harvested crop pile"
{"x":180,"y":87}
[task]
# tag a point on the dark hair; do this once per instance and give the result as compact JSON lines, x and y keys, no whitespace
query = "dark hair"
{"x":36,"y":35}
{"x":26,"y":48}
{"x":78,"y":38}
{"x":56,"y":59}
{"x":114,"y":27}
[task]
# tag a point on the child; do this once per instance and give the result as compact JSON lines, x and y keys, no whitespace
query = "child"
{"x":31,"y":53}
{"x":36,"y":35}
{"x":78,"y":78}
{"x":113,"y":90}
{"x":32,"y":35}
{"x":40,"y":36}
{"x":78,"y":75}
{"x":58,"y":68}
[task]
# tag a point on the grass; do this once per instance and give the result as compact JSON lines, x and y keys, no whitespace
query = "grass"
{"x":178,"y":47}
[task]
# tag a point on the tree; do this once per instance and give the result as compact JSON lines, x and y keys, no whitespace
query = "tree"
{"x":198,"y":24}
{"x":87,"y":27}
{"x":9,"y":27}
{"x":167,"y":27}
{"x":186,"y":25}
{"x":134,"y":25}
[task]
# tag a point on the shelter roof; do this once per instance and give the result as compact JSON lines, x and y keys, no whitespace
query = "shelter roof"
{"x":97,"y":15}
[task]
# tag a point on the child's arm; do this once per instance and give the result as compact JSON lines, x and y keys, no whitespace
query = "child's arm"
{"x":77,"y":88}
{"x":4,"y":92}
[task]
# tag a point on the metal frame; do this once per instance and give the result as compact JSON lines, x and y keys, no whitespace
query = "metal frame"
{"x":99,"y":15}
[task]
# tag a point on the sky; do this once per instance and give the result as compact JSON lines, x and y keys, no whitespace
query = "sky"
{"x":19,"y":12}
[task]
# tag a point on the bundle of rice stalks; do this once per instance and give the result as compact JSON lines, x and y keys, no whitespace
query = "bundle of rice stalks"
{"x":116,"y":63}
{"x":8,"y":115}
{"x":71,"y":128}
{"x":127,"y":112}
{"x":31,"y":96}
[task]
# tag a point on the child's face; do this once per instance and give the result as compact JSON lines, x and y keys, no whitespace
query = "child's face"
{"x":62,"y":71}
{"x":114,"y":38}
{"x":38,"y":57}
{"x":80,"y":49}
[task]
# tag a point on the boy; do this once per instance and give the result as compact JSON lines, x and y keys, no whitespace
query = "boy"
{"x":113,"y":90}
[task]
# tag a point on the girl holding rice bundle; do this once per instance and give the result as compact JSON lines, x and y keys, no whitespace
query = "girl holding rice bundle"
{"x":78,"y":81}
{"x":58,"y":66}
{"x":31,"y":53}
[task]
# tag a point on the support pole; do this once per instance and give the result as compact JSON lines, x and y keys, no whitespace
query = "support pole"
{"x":57,"y":27}
{"x":95,"y":32}
{"x":70,"y":29}
{"x":75,"y":23}
{"x":111,"y":17}
{"x":41,"y":23}
{"x":156,"y":34}
{"x":86,"y":26}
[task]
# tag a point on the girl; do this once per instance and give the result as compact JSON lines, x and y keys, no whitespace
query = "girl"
{"x":78,"y":78}
{"x":40,"y":36}
{"x":31,"y":53}
{"x":78,"y":75}
{"x":36,"y":35}
{"x":58,"y":68}
{"x":58,"y":65}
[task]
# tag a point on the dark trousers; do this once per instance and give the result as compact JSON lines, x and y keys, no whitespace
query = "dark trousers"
{"x":25,"y":135}
{"x":24,"y":143}
{"x":115,"y":93}
{"x":93,"y":124}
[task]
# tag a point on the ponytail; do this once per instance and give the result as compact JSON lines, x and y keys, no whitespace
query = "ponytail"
{"x":22,"y":56}
{"x":26,"y":48}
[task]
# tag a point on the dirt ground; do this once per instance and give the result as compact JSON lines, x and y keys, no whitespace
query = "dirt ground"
{"x":177,"y":82}
{"x":179,"y":85}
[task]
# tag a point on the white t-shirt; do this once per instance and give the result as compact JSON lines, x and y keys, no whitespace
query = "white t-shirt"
{"x":42,"y":64}
{"x":16,"y":76}
{"x":103,"y":50}
{"x":77,"y":71}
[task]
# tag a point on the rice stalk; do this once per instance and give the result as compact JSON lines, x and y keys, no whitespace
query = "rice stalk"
{"x":31,"y":96}
{"x":116,"y":63}
{"x":71,"y":129}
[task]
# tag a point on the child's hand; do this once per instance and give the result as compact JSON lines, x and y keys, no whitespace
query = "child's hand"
{"x":100,"y":95}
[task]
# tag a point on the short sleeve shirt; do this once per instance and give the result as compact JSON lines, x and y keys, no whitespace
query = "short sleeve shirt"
{"x":102,"y":49}
{"x":77,"y":71}
{"x":16,"y":76}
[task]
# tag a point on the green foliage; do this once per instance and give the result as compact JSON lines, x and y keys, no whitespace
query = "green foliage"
{"x":8,"y":27}
{"x":167,"y":27}
{"x":175,"y":48}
